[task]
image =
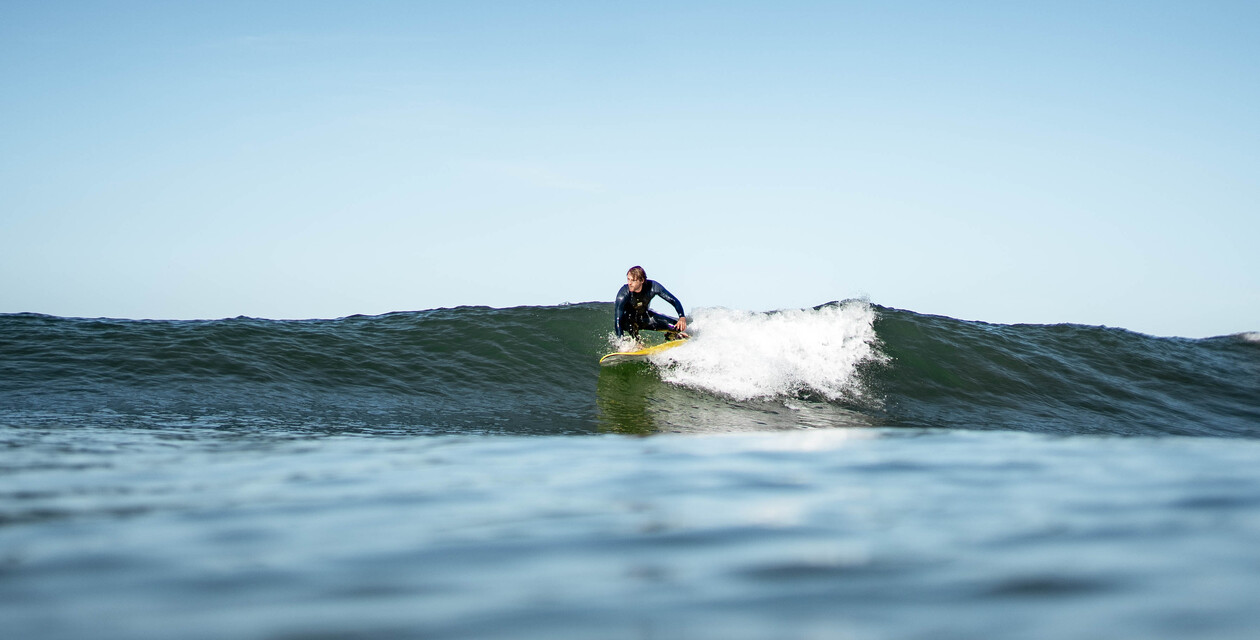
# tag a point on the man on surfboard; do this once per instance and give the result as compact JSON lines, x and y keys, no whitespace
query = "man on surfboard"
{"x":632,"y":314}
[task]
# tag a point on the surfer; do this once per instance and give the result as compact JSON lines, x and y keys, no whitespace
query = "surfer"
{"x":632,"y":313}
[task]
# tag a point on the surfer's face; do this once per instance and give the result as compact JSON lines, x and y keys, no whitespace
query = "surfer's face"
{"x":634,"y":284}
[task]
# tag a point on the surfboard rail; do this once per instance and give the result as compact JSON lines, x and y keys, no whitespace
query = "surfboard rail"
{"x":639,"y":355}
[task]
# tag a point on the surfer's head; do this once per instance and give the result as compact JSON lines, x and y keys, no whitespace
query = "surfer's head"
{"x":635,"y":278}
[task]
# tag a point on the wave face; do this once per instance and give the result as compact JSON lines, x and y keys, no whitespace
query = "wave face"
{"x":533,"y":370}
{"x":1067,"y":378}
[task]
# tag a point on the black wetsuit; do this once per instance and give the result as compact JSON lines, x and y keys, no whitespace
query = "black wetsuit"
{"x":632,"y":313}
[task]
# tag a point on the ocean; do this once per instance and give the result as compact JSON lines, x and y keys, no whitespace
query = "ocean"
{"x":845,"y":471}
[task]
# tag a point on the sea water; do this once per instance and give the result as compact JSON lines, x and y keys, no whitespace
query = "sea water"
{"x":473,"y":473}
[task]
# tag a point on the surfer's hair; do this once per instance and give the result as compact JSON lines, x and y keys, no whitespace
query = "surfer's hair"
{"x":637,"y":273}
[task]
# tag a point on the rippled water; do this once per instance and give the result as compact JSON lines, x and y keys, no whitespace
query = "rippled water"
{"x":861,"y":533}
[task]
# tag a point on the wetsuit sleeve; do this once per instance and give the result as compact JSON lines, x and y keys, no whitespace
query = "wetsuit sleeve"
{"x":657,"y":289}
{"x":619,"y":307}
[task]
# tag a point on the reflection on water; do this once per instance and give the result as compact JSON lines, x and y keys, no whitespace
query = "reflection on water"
{"x":632,"y":399}
{"x":621,"y":396}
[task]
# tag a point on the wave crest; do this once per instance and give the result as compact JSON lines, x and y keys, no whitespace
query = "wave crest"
{"x":746,"y":355}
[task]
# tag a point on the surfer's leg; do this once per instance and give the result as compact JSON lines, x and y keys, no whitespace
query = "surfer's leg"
{"x":631,"y":325}
{"x":662,"y":322}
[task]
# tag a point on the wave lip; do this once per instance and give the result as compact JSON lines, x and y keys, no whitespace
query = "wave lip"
{"x":746,"y":355}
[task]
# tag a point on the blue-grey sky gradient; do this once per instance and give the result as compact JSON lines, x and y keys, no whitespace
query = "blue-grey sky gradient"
{"x":1080,"y":162}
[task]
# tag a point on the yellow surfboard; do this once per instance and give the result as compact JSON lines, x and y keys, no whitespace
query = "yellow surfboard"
{"x":640,"y":355}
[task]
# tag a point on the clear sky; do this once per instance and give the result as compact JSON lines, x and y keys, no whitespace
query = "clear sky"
{"x":1089,"y":162}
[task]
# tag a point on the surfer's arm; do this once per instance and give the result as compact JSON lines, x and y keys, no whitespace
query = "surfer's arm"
{"x":619,"y":307}
{"x":669,"y":297}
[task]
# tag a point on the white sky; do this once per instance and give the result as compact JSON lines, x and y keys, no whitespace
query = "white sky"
{"x":1007,"y":162}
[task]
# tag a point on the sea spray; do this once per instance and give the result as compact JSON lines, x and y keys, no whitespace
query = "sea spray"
{"x":746,"y":355}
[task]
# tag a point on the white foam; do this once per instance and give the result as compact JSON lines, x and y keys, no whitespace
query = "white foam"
{"x":745,"y":354}
{"x":1250,"y":336}
{"x":623,"y":344}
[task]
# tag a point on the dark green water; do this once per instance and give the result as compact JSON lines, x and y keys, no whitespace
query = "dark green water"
{"x":532,"y":370}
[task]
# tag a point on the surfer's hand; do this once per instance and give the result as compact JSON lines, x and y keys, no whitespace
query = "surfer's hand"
{"x":682,"y":324}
